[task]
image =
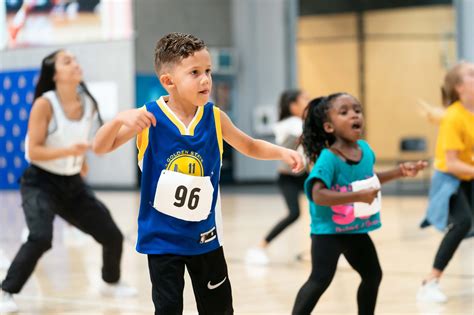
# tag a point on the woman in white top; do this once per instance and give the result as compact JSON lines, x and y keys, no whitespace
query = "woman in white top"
{"x":60,"y":122}
{"x":287,"y":130}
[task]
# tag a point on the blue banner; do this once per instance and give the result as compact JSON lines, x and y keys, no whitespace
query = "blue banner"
{"x":16,"y":97}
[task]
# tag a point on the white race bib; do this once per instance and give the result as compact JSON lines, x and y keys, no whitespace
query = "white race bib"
{"x":362,"y":209}
{"x":184,"y":196}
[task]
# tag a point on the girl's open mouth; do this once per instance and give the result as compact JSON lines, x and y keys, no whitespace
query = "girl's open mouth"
{"x":357,"y":126}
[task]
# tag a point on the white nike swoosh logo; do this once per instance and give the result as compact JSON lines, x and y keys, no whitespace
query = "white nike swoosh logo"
{"x":213,"y":286}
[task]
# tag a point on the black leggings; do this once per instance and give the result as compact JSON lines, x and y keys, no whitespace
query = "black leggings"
{"x":290,"y":186}
{"x":461,"y":210}
{"x":43,"y":196}
{"x":359,"y":251}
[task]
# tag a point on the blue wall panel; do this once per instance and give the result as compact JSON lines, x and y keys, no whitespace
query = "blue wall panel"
{"x":16,"y":98}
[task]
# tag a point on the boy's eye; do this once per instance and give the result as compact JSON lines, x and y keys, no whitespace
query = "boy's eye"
{"x":194,"y":72}
{"x":208,"y":71}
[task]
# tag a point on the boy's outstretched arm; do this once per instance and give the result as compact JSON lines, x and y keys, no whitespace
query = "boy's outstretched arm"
{"x":122,"y":128}
{"x":258,"y":149}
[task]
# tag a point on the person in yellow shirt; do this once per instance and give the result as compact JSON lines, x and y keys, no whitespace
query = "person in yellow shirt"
{"x":451,"y":197}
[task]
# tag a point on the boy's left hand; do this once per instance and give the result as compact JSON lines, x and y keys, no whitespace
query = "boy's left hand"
{"x":294,"y":160}
{"x":411,"y":169}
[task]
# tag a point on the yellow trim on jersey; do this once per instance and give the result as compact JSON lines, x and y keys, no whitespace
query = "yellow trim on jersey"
{"x":171,"y":116}
{"x":142,"y":141}
{"x":197,"y":118}
{"x":217,"y":120}
{"x":175,"y":120}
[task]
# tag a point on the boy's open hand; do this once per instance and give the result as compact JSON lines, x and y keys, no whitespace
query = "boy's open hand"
{"x":411,"y":169}
{"x":293,"y":159}
{"x":137,"y":119}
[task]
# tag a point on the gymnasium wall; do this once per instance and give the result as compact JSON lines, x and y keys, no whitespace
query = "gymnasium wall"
{"x":207,"y":19}
{"x":261,"y":33}
{"x":405,"y":55}
{"x":263,"y":38}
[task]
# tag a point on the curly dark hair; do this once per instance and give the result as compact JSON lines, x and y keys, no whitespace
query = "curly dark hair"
{"x":174,"y":47}
{"x":314,"y":137}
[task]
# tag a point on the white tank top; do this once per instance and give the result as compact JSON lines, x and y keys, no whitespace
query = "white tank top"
{"x":287,"y":133}
{"x":64,"y":132}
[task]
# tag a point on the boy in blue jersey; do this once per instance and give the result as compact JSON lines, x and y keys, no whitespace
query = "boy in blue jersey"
{"x":180,"y":142}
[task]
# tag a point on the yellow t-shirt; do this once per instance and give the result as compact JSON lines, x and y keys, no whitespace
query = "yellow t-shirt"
{"x":456,"y":133}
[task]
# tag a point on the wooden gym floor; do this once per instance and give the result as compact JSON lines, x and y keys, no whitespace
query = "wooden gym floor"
{"x":66,"y":278}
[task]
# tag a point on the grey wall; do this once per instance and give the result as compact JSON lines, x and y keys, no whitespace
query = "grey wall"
{"x":101,"y":61}
{"x":265,"y":49}
{"x":207,"y":19}
{"x":465,"y":29}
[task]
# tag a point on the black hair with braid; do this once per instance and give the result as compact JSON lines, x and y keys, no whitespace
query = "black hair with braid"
{"x":94,"y":101}
{"x":315,"y":138}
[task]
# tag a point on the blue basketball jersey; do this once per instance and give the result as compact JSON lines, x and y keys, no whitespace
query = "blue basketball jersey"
{"x":180,"y":200}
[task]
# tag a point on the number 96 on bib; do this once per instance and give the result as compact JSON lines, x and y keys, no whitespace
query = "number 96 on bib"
{"x":184,"y":196}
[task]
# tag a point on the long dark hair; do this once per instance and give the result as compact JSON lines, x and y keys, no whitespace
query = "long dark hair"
{"x":314,"y":137}
{"x":46,"y":81}
{"x":286,"y":98}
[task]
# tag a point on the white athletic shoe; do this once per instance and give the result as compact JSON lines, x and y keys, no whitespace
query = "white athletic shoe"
{"x":431,"y":292}
{"x":7,"y":304}
{"x":117,"y":290}
{"x":256,"y":256}
{"x":4,"y":261}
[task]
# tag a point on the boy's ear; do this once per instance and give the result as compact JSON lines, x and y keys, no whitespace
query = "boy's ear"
{"x":328,"y":127}
{"x":166,"y":80}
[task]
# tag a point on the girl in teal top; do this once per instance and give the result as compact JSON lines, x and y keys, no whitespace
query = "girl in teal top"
{"x":338,"y":174}
{"x":344,"y":196}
